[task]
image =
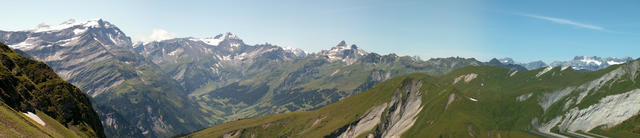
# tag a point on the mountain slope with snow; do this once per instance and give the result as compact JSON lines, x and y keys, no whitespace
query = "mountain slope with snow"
{"x":591,"y":63}
{"x":99,"y":58}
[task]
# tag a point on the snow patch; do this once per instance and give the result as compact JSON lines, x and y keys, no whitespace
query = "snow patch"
{"x":588,"y":60}
{"x":209,"y":40}
{"x":24,"y":45}
{"x":34,"y":117}
{"x":67,"y":24}
{"x":563,"y":68}
{"x":46,"y":28}
{"x":513,"y":73}
{"x":69,"y":42}
{"x":79,"y":30}
{"x":94,"y":23}
{"x":614,"y":62}
{"x":235,"y":44}
{"x":295,"y":51}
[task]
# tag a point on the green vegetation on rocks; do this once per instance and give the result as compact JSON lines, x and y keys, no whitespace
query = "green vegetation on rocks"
{"x":31,"y":86}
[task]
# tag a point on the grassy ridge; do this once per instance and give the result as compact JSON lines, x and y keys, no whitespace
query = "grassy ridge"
{"x":485,"y":106}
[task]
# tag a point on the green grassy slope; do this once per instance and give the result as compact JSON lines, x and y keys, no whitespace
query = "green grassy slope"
{"x":495,"y":103}
{"x":307,"y":84}
{"x":330,"y":117}
{"x":15,"y":124}
{"x":29,"y":86}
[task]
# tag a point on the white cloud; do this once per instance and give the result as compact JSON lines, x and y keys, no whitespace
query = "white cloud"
{"x":156,"y":35}
{"x":565,"y":21}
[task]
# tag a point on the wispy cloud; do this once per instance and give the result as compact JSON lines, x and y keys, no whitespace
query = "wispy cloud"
{"x":567,"y":22}
{"x":156,"y":35}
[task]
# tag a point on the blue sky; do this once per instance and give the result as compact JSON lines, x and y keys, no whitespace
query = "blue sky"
{"x":524,"y":30}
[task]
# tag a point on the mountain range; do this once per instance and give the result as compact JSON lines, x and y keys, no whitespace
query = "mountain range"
{"x":131,"y":94}
{"x":580,"y":63}
{"x":175,"y":86}
{"x":474,"y":101}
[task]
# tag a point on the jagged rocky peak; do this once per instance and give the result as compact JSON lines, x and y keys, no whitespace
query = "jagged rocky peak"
{"x":218,"y":39}
{"x":296,"y":51}
{"x":343,"y":49}
{"x":227,"y":35}
{"x":342,"y":46}
{"x":343,"y":52}
{"x":495,"y":61}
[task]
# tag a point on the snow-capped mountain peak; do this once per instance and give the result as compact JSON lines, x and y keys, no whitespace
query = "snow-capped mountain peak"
{"x":215,"y":41}
{"x":590,"y":60}
{"x":95,"y":23}
{"x":591,"y":63}
{"x":295,"y":51}
{"x":67,"y":34}
{"x":227,"y":35}
{"x":343,"y":52}
{"x":342,"y":47}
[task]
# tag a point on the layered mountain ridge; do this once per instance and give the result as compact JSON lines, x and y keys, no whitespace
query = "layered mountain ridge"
{"x":98,"y":58}
{"x":581,"y":63}
{"x":474,"y":101}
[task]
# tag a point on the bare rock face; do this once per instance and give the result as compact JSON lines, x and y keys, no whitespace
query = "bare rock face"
{"x":608,"y":111}
{"x":403,"y":110}
{"x":366,"y":123}
{"x":97,"y":57}
{"x":400,"y":112}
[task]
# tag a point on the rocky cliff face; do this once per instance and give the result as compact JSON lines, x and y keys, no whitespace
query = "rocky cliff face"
{"x":71,"y":48}
{"x":399,"y":115}
{"x":220,"y":60}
